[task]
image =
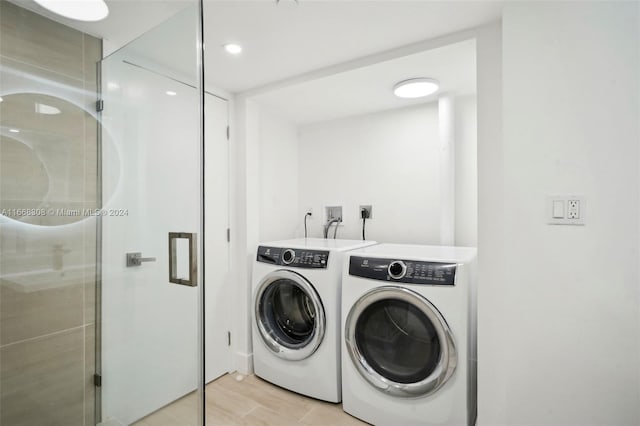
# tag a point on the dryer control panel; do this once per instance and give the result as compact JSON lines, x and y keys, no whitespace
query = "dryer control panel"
{"x":403,"y":271}
{"x":293,"y":257}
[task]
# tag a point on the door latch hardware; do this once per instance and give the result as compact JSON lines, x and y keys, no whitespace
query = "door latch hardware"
{"x":136,"y":259}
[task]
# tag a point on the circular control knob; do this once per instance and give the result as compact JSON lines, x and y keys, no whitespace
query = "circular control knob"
{"x":397,"y":269}
{"x":287,"y":256}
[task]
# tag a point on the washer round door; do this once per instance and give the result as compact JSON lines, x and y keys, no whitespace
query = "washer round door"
{"x":289,"y":315}
{"x":399,"y":342}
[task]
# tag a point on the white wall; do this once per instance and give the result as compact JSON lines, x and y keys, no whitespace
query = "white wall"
{"x":278,"y":144}
{"x":491,"y":212}
{"x":559,"y":321}
{"x":447,"y":166}
{"x":466,"y":173}
{"x":389,"y":160}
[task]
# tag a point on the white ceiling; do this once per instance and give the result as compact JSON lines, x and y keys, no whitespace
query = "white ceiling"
{"x":369,"y":89}
{"x":127,"y":19}
{"x":286,"y":40}
{"x":282,"y":42}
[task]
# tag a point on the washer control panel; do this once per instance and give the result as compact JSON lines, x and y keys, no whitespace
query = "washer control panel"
{"x":403,"y":271}
{"x":293,"y":257}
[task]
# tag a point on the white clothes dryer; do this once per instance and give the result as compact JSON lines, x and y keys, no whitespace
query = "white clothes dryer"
{"x":409,"y":342}
{"x":296,"y":314}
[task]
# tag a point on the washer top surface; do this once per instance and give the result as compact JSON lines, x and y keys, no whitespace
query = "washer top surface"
{"x":419,"y":252}
{"x":320,"y":244}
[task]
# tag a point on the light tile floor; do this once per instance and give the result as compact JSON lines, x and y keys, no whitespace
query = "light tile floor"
{"x":251,"y":401}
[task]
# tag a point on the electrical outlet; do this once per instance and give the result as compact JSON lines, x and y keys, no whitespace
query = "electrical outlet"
{"x":333,"y":212}
{"x":368,"y":209}
{"x":573,"y":209}
{"x":565,"y":210}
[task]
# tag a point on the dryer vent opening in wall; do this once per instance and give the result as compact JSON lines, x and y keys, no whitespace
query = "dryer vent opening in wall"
{"x":334,"y":213}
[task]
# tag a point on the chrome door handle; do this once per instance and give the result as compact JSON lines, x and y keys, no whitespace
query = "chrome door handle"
{"x":136,"y":259}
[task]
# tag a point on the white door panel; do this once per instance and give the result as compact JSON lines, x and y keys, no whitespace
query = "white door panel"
{"x":217,"y":351}
{"x":150,"y":160}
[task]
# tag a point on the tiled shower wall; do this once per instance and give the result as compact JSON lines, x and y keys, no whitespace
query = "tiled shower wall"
{"x":48,"y":162}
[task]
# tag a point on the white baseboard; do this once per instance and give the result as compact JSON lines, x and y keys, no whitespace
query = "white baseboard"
{"x":243,"y":362}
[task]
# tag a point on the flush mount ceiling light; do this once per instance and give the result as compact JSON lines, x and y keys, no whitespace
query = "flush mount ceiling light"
{"x":14,"y":130}
{"x":80,"y":10}
{"x":234,"y":49}
{"x":46,"y":109}
{"x":170,"y":93}
{"x":416,"y":88}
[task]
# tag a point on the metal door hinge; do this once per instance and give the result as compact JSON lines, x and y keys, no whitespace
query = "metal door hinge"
{"x":228,"y":338}
{"x":99,"y":105}
{"x":228,"y":235}
{"x":228,"y":132}
{"x":97,"y":380}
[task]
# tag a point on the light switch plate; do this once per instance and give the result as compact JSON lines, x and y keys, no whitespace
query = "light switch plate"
{"x":565,"y":210}
{"x":558,"y":209}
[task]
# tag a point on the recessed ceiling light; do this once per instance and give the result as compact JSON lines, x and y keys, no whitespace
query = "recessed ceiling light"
{"x":171,"y":93}
{"x":14,"y":130}
{"x":233,"y":48}
{"x":46,"y":109}
{"x":1,"y":99}
{"x":85,"y":10}
{"x":416,"y":88}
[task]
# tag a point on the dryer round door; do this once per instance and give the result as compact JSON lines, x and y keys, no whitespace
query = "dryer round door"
{"x":399,"y":342}
{"x":289,"y":315}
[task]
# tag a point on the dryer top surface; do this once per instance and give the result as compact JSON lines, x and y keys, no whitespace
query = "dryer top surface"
{"x":419,"y":252}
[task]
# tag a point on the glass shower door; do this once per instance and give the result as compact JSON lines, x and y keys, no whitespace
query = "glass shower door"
{"x":150,"y":362}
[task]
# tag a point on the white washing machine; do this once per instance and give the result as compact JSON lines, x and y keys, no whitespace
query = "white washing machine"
{"x":409,"y":335}
{"x":296,"y":314}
